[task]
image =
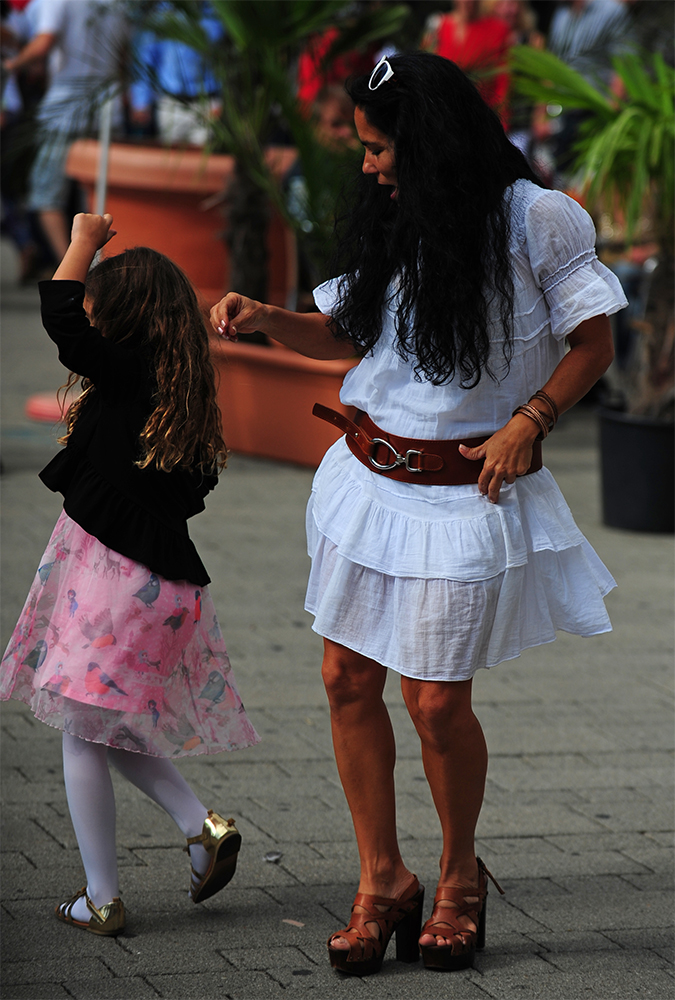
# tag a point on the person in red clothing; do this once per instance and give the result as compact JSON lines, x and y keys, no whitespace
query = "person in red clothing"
{"x":315,"y":73}
{"x":478,"y":45}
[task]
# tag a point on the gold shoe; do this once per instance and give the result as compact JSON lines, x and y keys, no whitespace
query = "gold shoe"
{"x":221,"y":839}
{"x":109,"y":920}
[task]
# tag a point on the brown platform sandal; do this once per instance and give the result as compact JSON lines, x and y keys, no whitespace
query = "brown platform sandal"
{"x":107,"y":920}
{"x":444,"y":922}
{"x":403,"y":917}
{"x":221,"y":839}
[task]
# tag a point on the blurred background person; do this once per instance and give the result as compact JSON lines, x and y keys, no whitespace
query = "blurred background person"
{"x":333,"y":117}
{"x":21,"y":93}
{"x":84,"y":43}
{"x":585,"y":34}
{"x":317,"y":72}
{"x":478,"y":44}
{"x":522,"y":22}
{"x":176,"y":94}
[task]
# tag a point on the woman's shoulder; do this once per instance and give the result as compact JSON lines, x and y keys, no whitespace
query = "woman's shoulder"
{"x":541,"y":215}
{"x":529,"y":202}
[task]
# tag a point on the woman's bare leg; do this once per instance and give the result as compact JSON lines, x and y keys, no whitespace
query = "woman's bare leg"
{"x":455,"y":763}
{"x":365,"y":753}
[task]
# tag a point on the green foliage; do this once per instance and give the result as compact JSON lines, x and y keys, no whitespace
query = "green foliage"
{"x":625,"y":149}
{"x":254,"y":69}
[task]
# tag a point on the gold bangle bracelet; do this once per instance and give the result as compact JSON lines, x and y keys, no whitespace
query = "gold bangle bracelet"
{"x":535,"y":415}
{"x":544,"y":396}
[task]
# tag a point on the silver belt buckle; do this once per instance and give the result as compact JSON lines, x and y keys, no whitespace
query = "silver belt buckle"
{"x":398,"y":459}
{"x":409,"y":467}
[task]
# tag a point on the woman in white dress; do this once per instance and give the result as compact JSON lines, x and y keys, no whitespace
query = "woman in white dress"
{"x":445,"y":547}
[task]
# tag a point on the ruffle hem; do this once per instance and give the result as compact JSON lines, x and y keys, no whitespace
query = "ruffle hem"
{"x":436,"y":582}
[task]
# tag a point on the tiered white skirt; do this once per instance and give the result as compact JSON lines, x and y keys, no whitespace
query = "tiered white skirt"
{"x":437,"y":582}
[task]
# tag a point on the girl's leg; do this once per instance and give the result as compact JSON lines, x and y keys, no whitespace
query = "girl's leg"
{"x":365,"y":753}
{"x":455,"y":763}
{"x":91,"y":802}
{"x":161,"y":781}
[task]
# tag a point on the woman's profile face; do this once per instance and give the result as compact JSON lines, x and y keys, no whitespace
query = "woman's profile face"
{"x":379,"y":151}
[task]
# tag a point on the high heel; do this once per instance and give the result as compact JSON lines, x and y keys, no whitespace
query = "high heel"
{"x":402,"y":916}
{"x":221,"y":839}
{"x":107,"y":920}
{"x":444,"y":922}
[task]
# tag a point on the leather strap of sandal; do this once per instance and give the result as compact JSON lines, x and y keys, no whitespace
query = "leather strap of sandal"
{"x":446,"y":924}
{"x":459,"y":896}
{"x":482,"y":866}
{"x":359,"y":934}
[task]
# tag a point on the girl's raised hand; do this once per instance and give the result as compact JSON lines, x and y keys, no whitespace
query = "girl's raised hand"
{"x":89,"y":234}
{"x":237,"y":314}
{"x":93,"y":229}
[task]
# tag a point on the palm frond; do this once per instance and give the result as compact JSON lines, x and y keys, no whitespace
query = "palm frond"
{"x":544,"y":77}
{"x":625,"y":146}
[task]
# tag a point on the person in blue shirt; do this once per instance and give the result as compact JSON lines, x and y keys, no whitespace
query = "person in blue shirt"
{"x":176,"y":92}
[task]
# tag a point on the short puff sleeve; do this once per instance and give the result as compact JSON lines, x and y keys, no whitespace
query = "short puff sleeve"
{"x":326,"y":296}
{"x":560,"y":239}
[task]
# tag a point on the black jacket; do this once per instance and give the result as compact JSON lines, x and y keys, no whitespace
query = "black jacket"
{"x":141,"y":513}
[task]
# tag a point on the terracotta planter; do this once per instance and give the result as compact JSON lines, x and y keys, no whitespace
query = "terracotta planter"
{"x":164,"y":198}
{"x":266,"y":395}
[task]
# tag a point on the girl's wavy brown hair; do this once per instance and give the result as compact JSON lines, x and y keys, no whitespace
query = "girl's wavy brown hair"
{"x":142,"y":295}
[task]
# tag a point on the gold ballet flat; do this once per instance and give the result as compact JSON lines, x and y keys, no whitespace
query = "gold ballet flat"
{"x":107,"y":920}
{"x":221,"y":839}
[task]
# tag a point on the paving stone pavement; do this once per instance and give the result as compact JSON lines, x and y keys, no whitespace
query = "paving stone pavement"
{"x":578,"y":816}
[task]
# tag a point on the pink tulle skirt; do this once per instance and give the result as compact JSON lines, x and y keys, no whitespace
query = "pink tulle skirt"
{"x":108,"y":651}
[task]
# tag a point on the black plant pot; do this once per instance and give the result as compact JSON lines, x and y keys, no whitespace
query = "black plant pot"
{"x":638,"y":472}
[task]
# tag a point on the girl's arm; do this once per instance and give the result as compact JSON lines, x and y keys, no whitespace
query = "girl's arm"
{"x":89,"y":234}
{"x":82,"y":348}
{"x":306,"y":333}
{"x":508,"y":452}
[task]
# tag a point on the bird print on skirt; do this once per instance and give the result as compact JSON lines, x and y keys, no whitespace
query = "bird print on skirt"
{"x":113,"y":653}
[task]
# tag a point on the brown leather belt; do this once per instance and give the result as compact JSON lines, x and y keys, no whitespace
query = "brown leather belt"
{"x":411,"y":460}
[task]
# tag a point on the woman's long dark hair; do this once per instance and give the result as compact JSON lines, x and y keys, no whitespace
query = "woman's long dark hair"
{"x":446,"y":237}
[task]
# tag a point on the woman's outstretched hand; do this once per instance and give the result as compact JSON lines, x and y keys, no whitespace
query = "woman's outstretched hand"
{"x":507,"y":454}
{"x":307,"y":333}
{"x":237,"y":314}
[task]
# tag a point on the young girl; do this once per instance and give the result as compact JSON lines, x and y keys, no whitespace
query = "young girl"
{"x":118,"y":644}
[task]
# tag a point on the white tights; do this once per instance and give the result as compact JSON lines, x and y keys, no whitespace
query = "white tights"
{"x":91,"y":801}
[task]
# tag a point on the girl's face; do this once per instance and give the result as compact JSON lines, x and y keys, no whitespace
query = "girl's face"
{"x":379,"y":155}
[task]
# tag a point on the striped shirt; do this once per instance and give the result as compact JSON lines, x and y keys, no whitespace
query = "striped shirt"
{"x":588,"y":38}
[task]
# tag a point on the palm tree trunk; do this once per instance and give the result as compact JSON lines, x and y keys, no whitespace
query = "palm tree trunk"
{"x":247,"y":214}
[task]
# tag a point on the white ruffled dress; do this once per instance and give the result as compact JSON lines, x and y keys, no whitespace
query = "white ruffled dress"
{"x":435,"y":581}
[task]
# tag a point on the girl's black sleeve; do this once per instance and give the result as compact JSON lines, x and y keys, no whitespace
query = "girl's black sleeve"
{"x":82,"y":348}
